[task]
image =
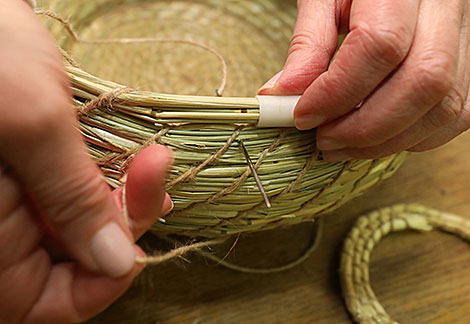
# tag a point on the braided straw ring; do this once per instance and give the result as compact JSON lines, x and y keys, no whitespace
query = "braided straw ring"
{"x":368,"y":231}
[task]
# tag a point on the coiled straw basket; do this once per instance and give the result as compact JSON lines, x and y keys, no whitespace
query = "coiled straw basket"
{"x":212,"y":56}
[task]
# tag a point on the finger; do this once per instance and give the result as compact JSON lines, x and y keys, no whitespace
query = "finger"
{"x":440,"y":118}
{"x":445,"y":134}
{"x":19,"y":233}
{"x":21,"y":284}
{"x":146,"y":200}
{"x":441,"y":137}
{"x":462,"y":123}
{"x":422,"y":81}
{"x":313,"y":44}
{"x":380,"y":38}
{"x":52,"y":163}
{"x":11,"y":194}
{"x":73,"y":295}
{"x":19,"y":236}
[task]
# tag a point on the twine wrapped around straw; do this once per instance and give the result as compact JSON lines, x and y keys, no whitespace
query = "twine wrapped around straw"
{"x":195,"y":47}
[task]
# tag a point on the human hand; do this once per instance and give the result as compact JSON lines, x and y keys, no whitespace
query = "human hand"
{"x":400,"y":81}
{"x":66,"y":250}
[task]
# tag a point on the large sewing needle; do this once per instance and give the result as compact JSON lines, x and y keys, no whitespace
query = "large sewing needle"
{"x":255,"y":175}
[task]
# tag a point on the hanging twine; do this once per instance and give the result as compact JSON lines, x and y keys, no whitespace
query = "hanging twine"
{"x":198,"y":248}
{"x":74,"y":35}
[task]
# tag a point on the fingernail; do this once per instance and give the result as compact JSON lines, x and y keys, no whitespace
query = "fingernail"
{"x":328,"y":144}
{"x":172,"y":205}
{"x":112,"y":250}
{"x":272,"y":82}
{"x":123,"y":178}
{"x":336,"y":156}
{"x":310,"y":121}
{"x":171,"y":157}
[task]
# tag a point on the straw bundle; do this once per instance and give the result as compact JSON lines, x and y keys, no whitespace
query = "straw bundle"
{"x":197,"y":47}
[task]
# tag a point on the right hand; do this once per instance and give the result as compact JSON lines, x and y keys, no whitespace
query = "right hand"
{"x":400,"y":81}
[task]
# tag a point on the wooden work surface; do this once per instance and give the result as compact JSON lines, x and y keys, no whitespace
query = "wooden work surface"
{"x":418,"y":277}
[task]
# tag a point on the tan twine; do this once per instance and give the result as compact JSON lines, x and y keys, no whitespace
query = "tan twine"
{"x":95,"y":106}
{"x":69,"y":28}
{"x":368,"y":231}
{"x":197,"y":247}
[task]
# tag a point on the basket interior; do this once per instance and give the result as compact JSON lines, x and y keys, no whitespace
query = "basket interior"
{"x":210,"y":183}
{"x":251,"y":36}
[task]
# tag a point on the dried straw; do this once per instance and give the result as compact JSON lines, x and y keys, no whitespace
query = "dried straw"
{"x":366,"y":234}
{"x":211,"y":184}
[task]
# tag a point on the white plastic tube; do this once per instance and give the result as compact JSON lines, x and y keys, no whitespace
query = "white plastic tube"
{"x":277,"y":111}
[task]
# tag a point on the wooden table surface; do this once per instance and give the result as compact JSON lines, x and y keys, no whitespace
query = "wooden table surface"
{"x":418,"y":277}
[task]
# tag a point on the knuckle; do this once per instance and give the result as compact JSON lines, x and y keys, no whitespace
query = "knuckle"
{"x":33,"y":105}
{"x":388,"y":45}
{"x":448,"y":110}
{"x":77,"y":197}
{"x":465,"y":119}
{"x":367,"y":135}
{"x":454,"y":102}
{"x":41,"y":113}
{"x":434,"y":75}
{"x":304,"y":41}
{"x":299,"y":41}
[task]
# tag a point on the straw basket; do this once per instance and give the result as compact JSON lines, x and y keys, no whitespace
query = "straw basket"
{"x":211,"y":55}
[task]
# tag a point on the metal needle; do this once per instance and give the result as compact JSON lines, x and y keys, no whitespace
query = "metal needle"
{"x":255,"y":175}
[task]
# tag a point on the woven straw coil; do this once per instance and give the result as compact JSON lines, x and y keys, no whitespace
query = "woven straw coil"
{"x":122,"y":55}
{"x":368,"y":231}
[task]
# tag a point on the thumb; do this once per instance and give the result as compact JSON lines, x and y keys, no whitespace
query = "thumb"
{"x":313,"y":44}
{"x":145,"y":196}
{"x":40,"y":142}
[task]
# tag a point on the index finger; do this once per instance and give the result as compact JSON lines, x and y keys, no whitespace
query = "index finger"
{"x":381,"y":33}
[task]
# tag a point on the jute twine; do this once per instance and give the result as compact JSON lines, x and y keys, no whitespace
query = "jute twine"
{"x":180,"y":251}
{"x":368,"y":231}
{"x":69,"y":28}
{"x":117,"y":122}
{"x":233,"y":46}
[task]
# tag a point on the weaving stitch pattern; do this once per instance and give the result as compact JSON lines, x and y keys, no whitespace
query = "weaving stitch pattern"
{"x":315,"y":197}
{"x":293,"y":184}
{"x":191,"y":173}
{"x":356,"y":184}
{"x":234,"y":187}
{"x":106,"y":100}
{"x":359,"y":180}
{"x":210,"y":182}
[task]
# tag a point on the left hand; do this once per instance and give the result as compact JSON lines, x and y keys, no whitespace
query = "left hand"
{"x":400,"y":81}
{"x":39,"y":281}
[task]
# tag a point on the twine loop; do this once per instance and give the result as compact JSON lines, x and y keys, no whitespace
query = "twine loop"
{"x":76,"y":37}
